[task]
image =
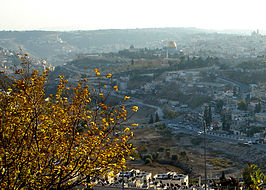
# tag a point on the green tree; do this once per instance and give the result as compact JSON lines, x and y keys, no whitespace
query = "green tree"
{"x":219,"y":106}
{"x":235,"y":91}
{"x":246,"y":174}
{"x":258,"y":108}
{"x":151,"y":119}
{"x":223,"y":176}
{"x":207,"y":115}
{"x":247,"y":98}
{"x":242,"y":105}
{"x":174,"y":157}
{"x":157,"y":117}
{"x":161,"y":149}
{"x":210,"y":113}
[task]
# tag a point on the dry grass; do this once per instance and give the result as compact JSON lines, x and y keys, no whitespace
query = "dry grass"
{"x":159,"y":141}
{"x":220,"y":163}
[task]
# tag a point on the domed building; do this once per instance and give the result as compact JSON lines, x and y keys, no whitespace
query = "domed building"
{"x":171,"y":45}
{"x":171,"y":48}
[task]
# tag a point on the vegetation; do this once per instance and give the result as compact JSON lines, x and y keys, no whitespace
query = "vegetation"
{"x":58,"y":141}
{"x":247,"y":77}
{"x":172,"y":92}
{"x":207,"y":116}
{"x":219,"y":163}
{"x":257,"y":64}
{"x":257,"y":176}
{"x":242,"y":105}
{"x":157,"y":119}
{"x":257,"y":108}
{"x":170,"y":114}
{"x":246,"y":173}
{"x":151,"y":119}
{"x":196,"y":141}
{"x":219,"y":106}
{"x":225,"y":183}
{"x":196,"y":62}
{"x":253,"y":130}
{"x":136,"y":81}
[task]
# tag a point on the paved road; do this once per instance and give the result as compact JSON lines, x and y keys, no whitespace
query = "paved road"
{"x":214,"y":136}
{"x":243,"y":88}
{"x":139,"y":102}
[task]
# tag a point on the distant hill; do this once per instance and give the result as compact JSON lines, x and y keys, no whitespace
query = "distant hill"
{"x":50,"y":43}
{"x":58,"y":47}
{"x":37,"y":43}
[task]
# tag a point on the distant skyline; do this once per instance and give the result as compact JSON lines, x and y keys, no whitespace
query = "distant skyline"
{"x":130,"y":14}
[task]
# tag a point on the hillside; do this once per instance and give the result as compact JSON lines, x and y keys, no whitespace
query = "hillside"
{"x":185,"y":153}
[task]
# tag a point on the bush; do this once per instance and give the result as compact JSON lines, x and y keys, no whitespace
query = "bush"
{"x":161,"y":149}
{"x":155,"y":156}
{"x":148,"y":161}
{"x":174,"y":157}
{"x":196,"y":141}
{"x":183,"y":153}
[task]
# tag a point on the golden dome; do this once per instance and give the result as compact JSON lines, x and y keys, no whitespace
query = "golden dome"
{"x":171,"y":44}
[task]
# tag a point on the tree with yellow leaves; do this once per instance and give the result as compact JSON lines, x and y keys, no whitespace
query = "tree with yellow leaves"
{"x":59,"y":141}
{"x":258,"y":178}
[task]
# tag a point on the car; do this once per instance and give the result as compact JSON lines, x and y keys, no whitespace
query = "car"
{"x":200,"y":132}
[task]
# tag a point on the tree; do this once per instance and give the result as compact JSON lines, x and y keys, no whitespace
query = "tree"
{"x":242,"y":105}
{"x":174,"y":157}
{"x":210,"y":114}
{"x":247,"y":98}
{"x":151,"y":119}
{"x":258,"y":108}
{"x":246,"y":172}
{"x":59,"y":141}
{"x":219,"y":106}
{"x":258,"y":178}
{"x":157,"y":117}
{"x":148,"y":161}
{"x":235,"y":91}
{"x":207,"y":115}
{"x":223,"y":176}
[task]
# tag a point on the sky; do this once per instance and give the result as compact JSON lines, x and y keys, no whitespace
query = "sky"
{"x":116,"y":14}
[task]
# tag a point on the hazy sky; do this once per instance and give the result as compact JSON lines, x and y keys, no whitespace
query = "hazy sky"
{"x":103,"y":14}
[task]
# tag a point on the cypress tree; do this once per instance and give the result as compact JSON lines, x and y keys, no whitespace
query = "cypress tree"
{"x":157,"y":117}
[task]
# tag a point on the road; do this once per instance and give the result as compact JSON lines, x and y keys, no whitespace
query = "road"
{"x":139,"y":102}
{"x":198,"y":132}
{"x":243,"y":89}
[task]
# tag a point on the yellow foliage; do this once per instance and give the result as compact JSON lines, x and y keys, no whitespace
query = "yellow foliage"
{"x":126,"y":130}
{"x":126,"y":97}
{"x":135,"y":108}
{"x":109,"y":75}
{"x":57,"y":142}
{"x":134,"y":125}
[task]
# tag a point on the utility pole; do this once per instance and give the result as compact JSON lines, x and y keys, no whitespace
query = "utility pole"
{"x":205,"y":163}
{"x":122,"y":179}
